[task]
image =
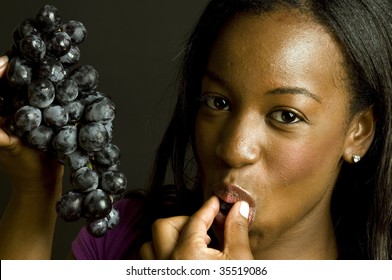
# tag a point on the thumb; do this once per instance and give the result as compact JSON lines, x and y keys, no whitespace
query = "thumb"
{"x":236,"y":235}
{"x":3,"y":64}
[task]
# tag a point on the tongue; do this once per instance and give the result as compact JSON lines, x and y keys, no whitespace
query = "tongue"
{"x":225,"y":207}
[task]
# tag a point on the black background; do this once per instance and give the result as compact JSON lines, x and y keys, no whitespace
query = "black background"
{"x":135,"y":46}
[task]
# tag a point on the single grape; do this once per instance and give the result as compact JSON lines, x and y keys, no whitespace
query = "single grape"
{"x":97,"y":204}
{"x":101,"y":110}
{"x":93,"y":137}
{"x":28,"y":118}
{"x":86,"y":77}
{"x":69,"y":206}
{"x":41,"y":93}
{"x":41,"y":137}
{"x":18,"y":72}
{"x":51,"y":69}
{"x":84,"y":179}
{"x":76,"y":160}
{"x":66,"y":91}
{"x":65,"y":141}
{"x":72,"y":57}
{"x":97,"y":228}
{"x":32,"y":48}
{"x":59,"y":44}
{"x":48,"y":19}
{"x":76,"y":30}
{"x":55,"y":116}
{"x":108,"y":156}
{"x":75,"y":111}
{"x":114,"y":182}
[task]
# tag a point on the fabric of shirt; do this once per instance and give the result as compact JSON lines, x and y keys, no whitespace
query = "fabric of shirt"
{"x":121,"y":242}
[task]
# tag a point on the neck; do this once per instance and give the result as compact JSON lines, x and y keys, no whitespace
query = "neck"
{"x":311,"y":238}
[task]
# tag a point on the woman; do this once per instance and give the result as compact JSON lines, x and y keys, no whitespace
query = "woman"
{"x":279,"y":144}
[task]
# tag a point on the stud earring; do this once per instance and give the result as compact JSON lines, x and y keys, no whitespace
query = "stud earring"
{"x":356,"y":158}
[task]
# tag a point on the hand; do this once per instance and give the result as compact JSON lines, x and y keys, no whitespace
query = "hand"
{"x":187,"y":238}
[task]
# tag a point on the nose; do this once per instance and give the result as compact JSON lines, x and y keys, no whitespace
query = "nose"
{"x":240,"y":141}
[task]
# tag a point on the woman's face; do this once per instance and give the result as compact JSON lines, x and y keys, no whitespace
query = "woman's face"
{"x":272,"y":125}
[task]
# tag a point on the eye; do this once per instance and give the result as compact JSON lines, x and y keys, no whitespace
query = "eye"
{"x":286,"y":117}
{"x":216,"y":102}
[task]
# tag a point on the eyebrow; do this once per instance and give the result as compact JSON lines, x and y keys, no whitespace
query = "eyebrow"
{"x":294,"y":90}
{"x":276,"y":91}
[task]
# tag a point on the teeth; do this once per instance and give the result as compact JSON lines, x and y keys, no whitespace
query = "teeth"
{"x":225,"y":207}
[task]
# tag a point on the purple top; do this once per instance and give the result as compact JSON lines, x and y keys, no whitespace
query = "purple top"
{"x":122,"y":242}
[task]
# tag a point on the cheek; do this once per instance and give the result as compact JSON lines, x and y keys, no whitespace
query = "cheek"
{"x":306,"y":166}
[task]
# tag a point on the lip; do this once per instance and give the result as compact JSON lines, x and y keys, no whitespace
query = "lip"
{"x":232,"y":194}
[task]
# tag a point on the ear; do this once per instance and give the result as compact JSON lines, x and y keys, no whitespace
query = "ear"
{"x":360,"y":135}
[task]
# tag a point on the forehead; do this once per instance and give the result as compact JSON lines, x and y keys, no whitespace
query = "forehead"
{"x":279,"y":48}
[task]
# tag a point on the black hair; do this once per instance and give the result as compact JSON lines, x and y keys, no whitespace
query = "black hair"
{"x":362,"y":200}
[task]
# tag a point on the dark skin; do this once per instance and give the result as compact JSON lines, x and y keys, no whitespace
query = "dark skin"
{"x":271,"y":151}
{"x":274,"y":129}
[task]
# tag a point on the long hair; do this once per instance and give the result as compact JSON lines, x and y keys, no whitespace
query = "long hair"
{"x":362,"y":200}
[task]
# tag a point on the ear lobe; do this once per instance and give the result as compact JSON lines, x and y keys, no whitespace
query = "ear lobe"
{"x":360,"y":135}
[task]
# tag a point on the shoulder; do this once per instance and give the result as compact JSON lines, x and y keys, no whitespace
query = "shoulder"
{"x":124,"y":240}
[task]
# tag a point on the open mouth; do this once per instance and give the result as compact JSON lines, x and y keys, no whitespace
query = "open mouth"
{"x":225,"y":207}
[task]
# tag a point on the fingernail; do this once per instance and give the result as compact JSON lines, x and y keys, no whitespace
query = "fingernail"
{"x":3,"y":61}
{"x":244,"y":209}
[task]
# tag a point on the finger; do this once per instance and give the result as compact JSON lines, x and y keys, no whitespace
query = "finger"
{"x":3,"y":64}
{"x":166,"y":233}
{"x":236,"y":234}
{"x":147,"y":251}
{"x":198,"y":225}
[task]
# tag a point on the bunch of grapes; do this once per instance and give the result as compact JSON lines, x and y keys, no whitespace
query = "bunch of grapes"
{"x":54,"y":106}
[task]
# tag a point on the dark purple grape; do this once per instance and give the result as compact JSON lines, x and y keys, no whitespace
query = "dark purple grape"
{"x":114,"y":182}
{"x":65,"y":141}
{"x":97,"y":204}
{"x":84,"y":179}
{"x":76,"y":160}
{"x":93,"y":137}
{"x":101,"y":110}
{"x":75,"y":111}
{"x":32,"y":48}
{"x":69,"y":206}
{"x":27,"y":27}
{"x":66,"y":91}
{"x":108,"y":156}
{"x":97,"y":228}
{"x":52,"y":70}
{"x":72,"y":57}
{"x":113,"y":218}
{"x":48,"y":19}
{"x":59,"y":44}
{"x":41,"y":137}
{"x":18,"y":72}
{"x":86,"y":77}
{"x":55,"y":116}
{"x":41,"y":93}
{"x":28,"y":118}
{"x":76,"y":30}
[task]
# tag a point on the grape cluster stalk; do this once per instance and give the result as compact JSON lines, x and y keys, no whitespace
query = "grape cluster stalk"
{"x":52,"y":103}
